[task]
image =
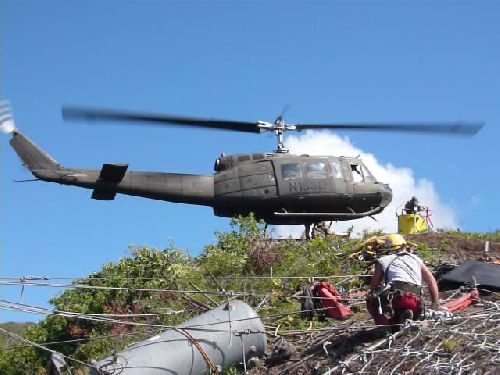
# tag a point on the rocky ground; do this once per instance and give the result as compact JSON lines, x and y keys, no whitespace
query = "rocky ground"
{"x":467,"y":342}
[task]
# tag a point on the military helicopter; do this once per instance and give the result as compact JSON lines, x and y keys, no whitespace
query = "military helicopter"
{"x":278,"y":187}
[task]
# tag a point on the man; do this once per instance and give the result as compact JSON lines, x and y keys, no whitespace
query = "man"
{"x":397,"y":280}
{"x":412,"y":207}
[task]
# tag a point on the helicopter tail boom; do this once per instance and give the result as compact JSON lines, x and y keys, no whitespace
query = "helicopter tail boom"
{"x":115,"y":178}
{"x":31,"y":155}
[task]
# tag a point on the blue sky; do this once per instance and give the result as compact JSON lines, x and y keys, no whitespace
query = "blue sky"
{"x":330,"y":61}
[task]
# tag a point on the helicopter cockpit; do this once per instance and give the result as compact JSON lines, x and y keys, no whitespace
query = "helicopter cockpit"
{"x":360,"y":173}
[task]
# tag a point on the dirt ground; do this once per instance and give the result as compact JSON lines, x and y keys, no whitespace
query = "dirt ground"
{"x":454,"y":248}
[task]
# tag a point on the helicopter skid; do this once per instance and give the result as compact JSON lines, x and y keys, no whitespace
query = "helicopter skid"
{"x":329,"y":216}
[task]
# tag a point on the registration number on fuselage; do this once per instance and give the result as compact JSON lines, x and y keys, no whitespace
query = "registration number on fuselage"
{"x":306,"y":186}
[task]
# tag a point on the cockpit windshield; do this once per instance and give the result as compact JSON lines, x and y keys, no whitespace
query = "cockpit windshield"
{"x":360,"y":173}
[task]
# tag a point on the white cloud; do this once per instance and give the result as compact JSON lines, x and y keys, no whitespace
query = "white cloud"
{"x":401,"y":180}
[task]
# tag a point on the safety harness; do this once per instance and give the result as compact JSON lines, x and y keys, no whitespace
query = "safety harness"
{"x":398,"y":289}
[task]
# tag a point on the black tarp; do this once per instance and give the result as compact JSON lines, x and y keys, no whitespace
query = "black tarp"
{"x":486,"y":275}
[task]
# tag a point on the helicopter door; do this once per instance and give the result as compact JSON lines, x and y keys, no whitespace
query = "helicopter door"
{"x":341,"y":189}
{"x":365,"y":188}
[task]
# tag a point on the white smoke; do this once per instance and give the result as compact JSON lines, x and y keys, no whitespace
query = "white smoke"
{"x":401,"y":180}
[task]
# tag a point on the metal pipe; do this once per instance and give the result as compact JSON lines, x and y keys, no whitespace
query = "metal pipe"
{"x":194,"y":347}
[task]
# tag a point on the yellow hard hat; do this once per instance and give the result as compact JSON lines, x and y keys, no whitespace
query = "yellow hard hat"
{"x":394,"y":242}
{"x":389,"y":242}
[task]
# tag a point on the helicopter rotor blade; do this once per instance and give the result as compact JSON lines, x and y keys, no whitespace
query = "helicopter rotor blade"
{"x":96,"y":114}
{"x":450,"y":128}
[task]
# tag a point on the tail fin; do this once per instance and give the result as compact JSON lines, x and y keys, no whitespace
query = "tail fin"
{"x":31,"y":155}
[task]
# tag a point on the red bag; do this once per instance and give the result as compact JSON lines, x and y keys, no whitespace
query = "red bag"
{"x":462,"y":302}
{"x":331,"y":300}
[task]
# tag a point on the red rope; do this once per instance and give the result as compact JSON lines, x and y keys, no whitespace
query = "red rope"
{"x":203,"y":353}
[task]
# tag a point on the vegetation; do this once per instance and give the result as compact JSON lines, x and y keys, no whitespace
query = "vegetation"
{"x":457,"y":234}
{"x":150,"y":281}
{"x":17,"y":328}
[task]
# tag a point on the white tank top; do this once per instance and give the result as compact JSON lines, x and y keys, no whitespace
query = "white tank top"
{"x":402,"y":267}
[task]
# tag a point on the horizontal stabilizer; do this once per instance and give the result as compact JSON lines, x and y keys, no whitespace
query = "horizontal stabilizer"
{"x":103,"y":194}
{"x":113,"y":172}
{"x":110,"y":176}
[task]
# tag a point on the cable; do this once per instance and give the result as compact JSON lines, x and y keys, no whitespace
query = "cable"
{"x":96,"y":287}
{"x":38,"y":346}
{"x":171,"y":278}
{"x":90,"y":338}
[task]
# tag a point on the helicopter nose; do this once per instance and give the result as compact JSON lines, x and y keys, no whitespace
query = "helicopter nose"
{"x":386,"y":195}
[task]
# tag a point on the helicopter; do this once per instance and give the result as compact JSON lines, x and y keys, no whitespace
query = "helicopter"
{"x":278,"y":187}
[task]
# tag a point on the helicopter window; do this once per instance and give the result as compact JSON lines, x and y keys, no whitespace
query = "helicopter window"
{"x":357,"y":173}
{"x":290,"y":171}
{"x":360,"y":174}
{"x":336,"y":169}
{"x":316,"y":169}
{"x":366,"y":174}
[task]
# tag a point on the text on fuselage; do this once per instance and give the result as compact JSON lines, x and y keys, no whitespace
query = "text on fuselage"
{"x":306,"y":187}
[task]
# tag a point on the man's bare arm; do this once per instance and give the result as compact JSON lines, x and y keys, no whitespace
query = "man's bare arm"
{"x":431,"y":285}
{"x":378,"y":277}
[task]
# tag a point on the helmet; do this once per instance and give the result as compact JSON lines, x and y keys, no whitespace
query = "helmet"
{"x":385,"y":244}
{"x":381,"y":245}
{"x":393,"y":242}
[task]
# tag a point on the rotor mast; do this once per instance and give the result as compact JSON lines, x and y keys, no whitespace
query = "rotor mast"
{"x":279,"y":127}
{"x":279,"y":130}
{"x":281,"y":141}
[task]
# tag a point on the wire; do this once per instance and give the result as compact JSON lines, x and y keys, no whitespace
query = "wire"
{"x":38,"y":346}
{"x":90,"y":338}
{"x":96,"y":287}
{"x":170,"y":278}
{"x":223,"y":293}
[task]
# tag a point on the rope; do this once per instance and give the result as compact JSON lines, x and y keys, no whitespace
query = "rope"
{"x":202,"y":351}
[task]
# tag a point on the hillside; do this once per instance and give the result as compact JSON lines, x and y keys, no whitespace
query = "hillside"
{"x":130,"y":300}
{"x":468,"y":342}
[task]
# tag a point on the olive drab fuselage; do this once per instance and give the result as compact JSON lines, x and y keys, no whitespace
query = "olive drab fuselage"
{"x":280,"y":188}
{"x":296,"y":189}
